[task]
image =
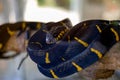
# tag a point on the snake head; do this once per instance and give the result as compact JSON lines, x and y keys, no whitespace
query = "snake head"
{"x":57,"y":30}
{"x":55,"y":34}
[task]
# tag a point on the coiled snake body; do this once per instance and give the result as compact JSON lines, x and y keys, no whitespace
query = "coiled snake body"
{"x":73,"y":49}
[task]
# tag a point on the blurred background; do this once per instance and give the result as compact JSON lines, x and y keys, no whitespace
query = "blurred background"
{"x":46,"y":11}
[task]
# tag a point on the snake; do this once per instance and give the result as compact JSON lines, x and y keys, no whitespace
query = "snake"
{"x":62,"y":50}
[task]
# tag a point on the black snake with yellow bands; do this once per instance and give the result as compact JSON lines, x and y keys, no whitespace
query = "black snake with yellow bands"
{"x":73,"y":49}
{"x":61,"y":50}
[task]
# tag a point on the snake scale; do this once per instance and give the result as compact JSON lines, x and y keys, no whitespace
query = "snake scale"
{"x":60,"y":49}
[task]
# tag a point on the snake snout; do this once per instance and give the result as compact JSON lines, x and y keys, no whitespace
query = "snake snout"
{"x":50,"y":39}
